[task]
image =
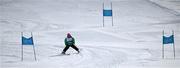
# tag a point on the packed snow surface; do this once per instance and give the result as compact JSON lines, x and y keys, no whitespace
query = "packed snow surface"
{"x":135,"y":40}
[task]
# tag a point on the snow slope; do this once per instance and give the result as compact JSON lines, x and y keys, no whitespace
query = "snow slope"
{"x":169,"y":4}
{"x":134,"y":41}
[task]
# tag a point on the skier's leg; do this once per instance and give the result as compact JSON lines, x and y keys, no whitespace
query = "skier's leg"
{"x":65,"y":49}
{"x":74,"y":47}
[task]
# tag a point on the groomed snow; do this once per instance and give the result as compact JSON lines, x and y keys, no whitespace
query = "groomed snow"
{"x":169,"y":4}
{"x":134,"y":41}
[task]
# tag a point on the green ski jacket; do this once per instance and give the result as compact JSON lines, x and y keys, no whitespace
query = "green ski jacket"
{"x":69,"y":41}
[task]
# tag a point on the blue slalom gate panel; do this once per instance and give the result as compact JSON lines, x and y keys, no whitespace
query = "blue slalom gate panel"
{"x":27,"y":41}
{"x":107,"y":12}
{"x":168,"y":40}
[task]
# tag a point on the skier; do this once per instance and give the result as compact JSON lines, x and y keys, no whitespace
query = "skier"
{"x":69,"y":42}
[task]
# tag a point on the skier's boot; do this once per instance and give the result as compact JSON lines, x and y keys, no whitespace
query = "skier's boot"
{"x":63,"y":53}
{"x":78,"y":51}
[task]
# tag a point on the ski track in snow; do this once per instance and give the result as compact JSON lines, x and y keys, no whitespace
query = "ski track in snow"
{"x":108,"y":47}
{"x":89,"y":55}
